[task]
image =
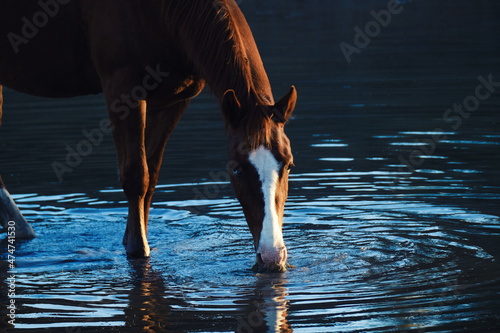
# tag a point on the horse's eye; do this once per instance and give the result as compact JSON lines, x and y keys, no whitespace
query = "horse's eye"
{"x":237,"y":172}
{"x":289,"y":168}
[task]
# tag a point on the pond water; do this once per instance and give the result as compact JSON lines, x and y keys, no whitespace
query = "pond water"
{"x":392,"y":222}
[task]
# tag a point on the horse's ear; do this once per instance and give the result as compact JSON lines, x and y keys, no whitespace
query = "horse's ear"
{"x":231,"y":109}
{"x":286,"y":105}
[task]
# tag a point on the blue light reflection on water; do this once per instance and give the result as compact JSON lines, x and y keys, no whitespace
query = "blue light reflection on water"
{"x":366,"y":260}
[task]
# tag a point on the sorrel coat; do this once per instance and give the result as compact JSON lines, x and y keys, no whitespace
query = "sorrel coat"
{"x":150,"y":58}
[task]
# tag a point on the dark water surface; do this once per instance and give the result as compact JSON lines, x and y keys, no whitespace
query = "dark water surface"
{"x":393,"y":218}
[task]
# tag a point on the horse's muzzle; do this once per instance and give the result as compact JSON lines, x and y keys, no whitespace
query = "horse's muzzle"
{"x":271,"y":260}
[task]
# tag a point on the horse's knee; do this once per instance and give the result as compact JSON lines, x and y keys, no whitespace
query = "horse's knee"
{"x":135,"y":181}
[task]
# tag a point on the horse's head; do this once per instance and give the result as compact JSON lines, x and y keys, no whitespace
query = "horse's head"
{"x":260,"y":159}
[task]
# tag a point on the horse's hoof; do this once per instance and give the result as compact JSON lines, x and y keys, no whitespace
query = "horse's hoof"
{"x":138,"y":251}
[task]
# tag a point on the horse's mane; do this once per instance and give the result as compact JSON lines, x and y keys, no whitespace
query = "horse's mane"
{"x":215,"y":36}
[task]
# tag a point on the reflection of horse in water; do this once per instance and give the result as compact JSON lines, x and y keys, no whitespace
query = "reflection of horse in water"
{"x":150,"y":58}
{"x":268,"y":308}
{"x":149,"y":308}
{"x":154,"y":307}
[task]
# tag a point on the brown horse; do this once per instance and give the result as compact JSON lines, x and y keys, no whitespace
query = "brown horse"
{"x":150,"y":58}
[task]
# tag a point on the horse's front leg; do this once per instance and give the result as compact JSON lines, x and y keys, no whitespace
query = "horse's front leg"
{"x":160,"y":122}
{"x":128,"y":133}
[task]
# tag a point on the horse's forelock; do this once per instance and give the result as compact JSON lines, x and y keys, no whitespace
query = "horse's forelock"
{"x":259,"y":129}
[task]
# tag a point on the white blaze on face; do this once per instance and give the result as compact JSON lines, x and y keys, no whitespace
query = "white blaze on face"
{"x":271,"y":238}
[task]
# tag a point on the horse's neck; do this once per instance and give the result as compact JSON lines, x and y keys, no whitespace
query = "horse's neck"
{"x":218,"y":41}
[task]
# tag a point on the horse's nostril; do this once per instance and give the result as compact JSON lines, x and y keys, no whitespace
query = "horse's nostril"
{"x":259,"y":259}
